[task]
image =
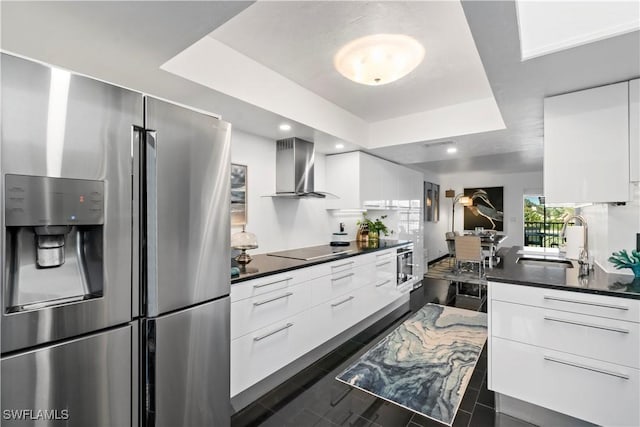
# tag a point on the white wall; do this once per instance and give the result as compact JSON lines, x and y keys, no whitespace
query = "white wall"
{"x":279,"y":224}
{"x":612,"y":228}
{"x":515,"y":187}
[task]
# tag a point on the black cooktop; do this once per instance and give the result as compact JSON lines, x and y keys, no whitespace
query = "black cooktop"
{"x":312,"y":253}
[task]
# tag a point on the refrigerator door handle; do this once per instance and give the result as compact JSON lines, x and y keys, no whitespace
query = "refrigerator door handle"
{"x":152,"y":223}
{"x":137,"y":225}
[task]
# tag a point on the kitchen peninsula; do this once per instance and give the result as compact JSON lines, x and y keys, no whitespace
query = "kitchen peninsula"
{"x":513,"y":271}
{"x":546,"y":318}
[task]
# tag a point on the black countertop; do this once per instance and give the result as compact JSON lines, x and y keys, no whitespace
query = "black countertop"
{"x":266,"y":265}
{"x":567,"y":279}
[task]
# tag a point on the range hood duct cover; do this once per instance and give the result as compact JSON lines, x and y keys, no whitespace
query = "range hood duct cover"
{"x":295,"y":159}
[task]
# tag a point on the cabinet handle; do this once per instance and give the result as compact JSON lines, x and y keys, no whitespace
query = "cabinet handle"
{"x":597,"y":304}
{"x":272,"y":283}
{"x":383,"y":263}
{"x":588,"y":325}
{"x":383,"y":283}
{"x":588,"y":368}
{"x":275,"y":331}
{"x":342,"y":277}
{"x":342,"y":265}
{"x":288,"y":294}
{"x":342,"y":302}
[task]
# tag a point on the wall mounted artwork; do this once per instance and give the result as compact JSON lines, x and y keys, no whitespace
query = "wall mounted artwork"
{"x":238,"y":195}
{"x":486,"y":210}
{"x":431,"y":202}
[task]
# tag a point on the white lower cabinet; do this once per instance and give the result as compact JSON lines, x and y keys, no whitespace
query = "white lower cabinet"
{"x":584,"y":388}
{"x":589,"y":336}
{"x":336,"y":315}
{"x":256,"y":312}
{"x":276,"y":320}
{"x":577,"y":354}
{"x":262,"y":352}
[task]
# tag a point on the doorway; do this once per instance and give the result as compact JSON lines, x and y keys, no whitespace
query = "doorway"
{"x":542,"y":223}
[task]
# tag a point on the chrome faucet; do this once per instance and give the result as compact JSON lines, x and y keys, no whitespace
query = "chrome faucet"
{"x":584,"y":231}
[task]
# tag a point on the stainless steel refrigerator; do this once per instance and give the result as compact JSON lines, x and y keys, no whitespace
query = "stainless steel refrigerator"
{"x":115,"y":249}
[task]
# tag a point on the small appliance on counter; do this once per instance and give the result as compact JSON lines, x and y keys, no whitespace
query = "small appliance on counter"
{"x":340,"y":238}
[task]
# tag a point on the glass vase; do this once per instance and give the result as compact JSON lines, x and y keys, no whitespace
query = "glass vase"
{"x":374,"y":239}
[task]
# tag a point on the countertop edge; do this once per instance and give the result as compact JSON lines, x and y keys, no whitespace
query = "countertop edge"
{"x":604,"y":292}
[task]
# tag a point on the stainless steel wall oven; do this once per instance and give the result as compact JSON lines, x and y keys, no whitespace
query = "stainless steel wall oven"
{"x":405,"y":264}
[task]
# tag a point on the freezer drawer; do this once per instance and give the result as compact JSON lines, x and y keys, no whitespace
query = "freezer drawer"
{"x":187,"y":365}
{"x":83,"y":382}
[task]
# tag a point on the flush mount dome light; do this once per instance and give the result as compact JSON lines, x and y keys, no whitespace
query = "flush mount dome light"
{"x":379,"y":59}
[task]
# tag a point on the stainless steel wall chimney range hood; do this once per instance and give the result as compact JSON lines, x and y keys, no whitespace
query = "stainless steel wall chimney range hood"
{"x":294,"y":169}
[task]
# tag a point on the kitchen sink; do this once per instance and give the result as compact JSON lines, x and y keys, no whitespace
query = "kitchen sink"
{"x":545,"y":262}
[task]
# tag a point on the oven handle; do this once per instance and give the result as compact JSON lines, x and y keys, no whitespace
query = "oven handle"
{"x":403,"y":251}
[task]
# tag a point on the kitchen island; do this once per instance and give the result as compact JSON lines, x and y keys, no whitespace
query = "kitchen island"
{"x":563,"y":344}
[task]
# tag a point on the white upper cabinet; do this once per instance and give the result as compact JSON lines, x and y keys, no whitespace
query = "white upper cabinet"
{"x":410,"y":186}
{"x":634,"y":129}
{"x":586,"y":145}
{"x":362,"y":181}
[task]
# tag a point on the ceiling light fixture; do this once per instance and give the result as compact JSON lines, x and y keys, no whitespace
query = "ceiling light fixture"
{"x":452,"y":150}
{"x":379,"y":59}
{"x":285,"y":127}
{"x":339,"y":146}
{"x":439,"y":144}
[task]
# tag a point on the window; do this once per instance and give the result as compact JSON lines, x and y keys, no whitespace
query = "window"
{"x":542,"y":223}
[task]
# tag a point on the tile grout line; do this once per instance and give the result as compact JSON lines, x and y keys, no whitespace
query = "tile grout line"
{"x":486,"y":406}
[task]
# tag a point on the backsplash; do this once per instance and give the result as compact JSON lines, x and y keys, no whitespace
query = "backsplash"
{"x":612,"y":228}
{"x":278,"y":223}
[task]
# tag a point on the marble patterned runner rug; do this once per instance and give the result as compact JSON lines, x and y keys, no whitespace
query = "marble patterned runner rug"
{"x":426,"y":363}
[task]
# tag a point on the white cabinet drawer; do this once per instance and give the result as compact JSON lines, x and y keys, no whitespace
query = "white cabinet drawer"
{"x":576,"y":302}
{"x":376,"y":257}
{"x":340,"y":283}
{"x":600,"y":338}
{"x":595,"y":391}
{"x":373,"y":298}
{"x":261,"y":353}
{"x":387,"y":291}
{"x":256,"y":312}
{"x":385,"y":269}
{"x":278,"y":281}
{"x":343,"y":265}
{"x":336,"y":315}
{"x":386,"y":254}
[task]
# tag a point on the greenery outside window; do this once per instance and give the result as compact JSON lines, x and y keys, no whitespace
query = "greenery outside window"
{"x":542,"y":223}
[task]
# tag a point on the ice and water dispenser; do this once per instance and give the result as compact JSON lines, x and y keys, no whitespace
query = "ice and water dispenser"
{"x":54,"y":235}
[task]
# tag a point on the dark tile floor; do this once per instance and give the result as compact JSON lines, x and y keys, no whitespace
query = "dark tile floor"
{"x":315,"y":398}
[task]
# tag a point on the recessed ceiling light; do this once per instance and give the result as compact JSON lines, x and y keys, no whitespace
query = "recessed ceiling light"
{"x":285,"y":127}
{"x":379,"y":59}
{"x":339,"y":146}
{"x":452,"y":150}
